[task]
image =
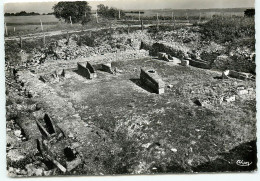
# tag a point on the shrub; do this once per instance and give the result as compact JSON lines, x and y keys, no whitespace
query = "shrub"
{"x":222,"y":30}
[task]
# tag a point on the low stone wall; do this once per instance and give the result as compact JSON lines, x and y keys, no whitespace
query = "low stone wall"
{"x":173,"y":50}
{"x":200,"y":64}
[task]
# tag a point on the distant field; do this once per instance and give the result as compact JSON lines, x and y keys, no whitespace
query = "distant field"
{"x":190,"y":12}
{"x":20,"y":20}
{"x":20,"y":25}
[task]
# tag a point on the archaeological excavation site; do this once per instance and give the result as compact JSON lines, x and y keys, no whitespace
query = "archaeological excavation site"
{"x":139,"y":99}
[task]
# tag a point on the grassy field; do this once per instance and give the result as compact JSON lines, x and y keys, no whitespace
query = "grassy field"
{"x":21,"y":25}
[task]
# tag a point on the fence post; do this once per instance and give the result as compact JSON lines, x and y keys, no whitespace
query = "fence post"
{"x":43,"y":39}
{"x":139,"y":16}
{"x":41,"y":24}
{"x":6,"y":31}
{"x":14,"y":29}
{"x":119,"y":14}
{"x":96,"y":16}
{"x":142,"y":25}
{"x":157,"y":23}
{"x":21,"y":42}
{"x":128,"y":29}
{"x":70,"y":21}
{"x":187,"y":17}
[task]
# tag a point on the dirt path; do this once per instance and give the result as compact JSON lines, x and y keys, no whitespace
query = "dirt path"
{"x":61,"y":32}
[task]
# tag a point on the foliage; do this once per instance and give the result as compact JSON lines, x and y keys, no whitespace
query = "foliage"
{"x":249,"y":12}
{"x":107,"y":12}
{"x":22,"y":13}
{"x":222,"y":30}
{"x":79,"y":11}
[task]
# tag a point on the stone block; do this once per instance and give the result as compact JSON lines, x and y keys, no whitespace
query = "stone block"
{"x":199,"y":64}
{"x":107,"y":68}
{"x":82,"y":70}
{"x":150,"y":78}
{"x":234,"y":74}
{"x":185,"y":62}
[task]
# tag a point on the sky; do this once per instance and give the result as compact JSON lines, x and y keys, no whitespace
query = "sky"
{"x":45,"y":6}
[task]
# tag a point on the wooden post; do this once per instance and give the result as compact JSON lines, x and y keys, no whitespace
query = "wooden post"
{"x":70,"y":21}
{"x":6,"y":31}
{"x":14,"y":29}
{"x":173,"y":19}
{"x":21,"y":42}
{"x":41,"y":24}
{"x":43,"y":39}
{"x":96,"y":16}
{"x":139,"y":16}
{"x":119,"y":14}
{"x":187,"y":17}
{"x":128,"y":29}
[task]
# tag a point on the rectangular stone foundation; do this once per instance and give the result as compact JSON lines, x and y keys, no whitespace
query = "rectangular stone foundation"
{"x":151,"y":79}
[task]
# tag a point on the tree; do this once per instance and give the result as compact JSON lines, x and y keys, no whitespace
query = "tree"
{"x":107,"y":12}
{"x":249,"y":12}
{"x":79,"y":11}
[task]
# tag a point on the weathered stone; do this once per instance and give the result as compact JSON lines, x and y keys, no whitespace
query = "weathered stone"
{"x":107,"y":68}
{"x":162,"y":55}
{"x":91,"y":69}
{"x":73,"y":164}
{"x":242,"y":92}
{"x":234,"y":74}
{"x":63,"y":74}
{"x":230,"y":98}
{"x":150,"y":78}
{"x":199,"y":64}
{"x":185,"y":62}
{"x":82,"y":70}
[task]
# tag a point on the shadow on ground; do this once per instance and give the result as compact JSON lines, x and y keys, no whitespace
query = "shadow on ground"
{"x":241,"y":158}
{"x":140,"y":84}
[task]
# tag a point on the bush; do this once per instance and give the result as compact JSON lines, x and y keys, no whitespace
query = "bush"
{"x":222,"y":30}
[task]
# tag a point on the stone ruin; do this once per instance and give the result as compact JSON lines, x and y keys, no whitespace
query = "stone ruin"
{"x":234,"y":74}
{"x":106,"y":67}
{"x":185,"y":62}
{"x":86,"y":71}
{"x":151,"y":79}
{"x":199,"y":63}
{"x":89,"y":71}
{"x":164,"y":56}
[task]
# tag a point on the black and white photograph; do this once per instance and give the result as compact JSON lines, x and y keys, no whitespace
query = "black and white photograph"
{"x":129,"y":87}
